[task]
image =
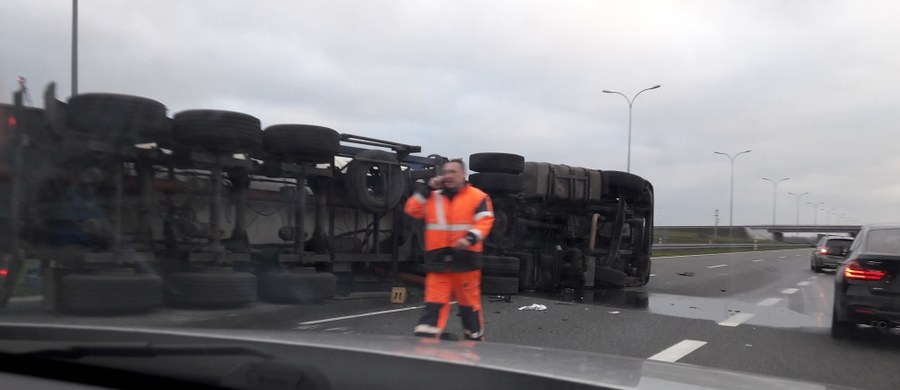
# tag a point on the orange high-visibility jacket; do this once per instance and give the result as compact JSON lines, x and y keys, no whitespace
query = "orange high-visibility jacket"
{"x":468,"y":214}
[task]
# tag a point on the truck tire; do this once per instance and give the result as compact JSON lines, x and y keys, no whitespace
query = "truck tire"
{"x":211,"y":289}
{"x":366,"y":186}
{"x":290,"y":287}
{"x":501,"y":266}
{"x":622,"y":181}
{"x":218,"y":131}
{"x":497,"y":183}
{"x":114,"y":117}
{"x":610,"y":278}
{"x":500,"y":285}
{"x":307,"y":143}
{"x":88,"y":293}
{"x":497,"y":163}
{"x":159,"y":132}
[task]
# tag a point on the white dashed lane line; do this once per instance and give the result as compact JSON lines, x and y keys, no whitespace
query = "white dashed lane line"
{"x":789,"y":291}
{"x":803,"y":284}
{"x":359,"y":315}
{"x":678,"y":351}
{"x":717,"y":266}
{"x":782,"y":257}
{"x":769,"y":301}
{"x":736,"y":319}
{"x":758,"y":260}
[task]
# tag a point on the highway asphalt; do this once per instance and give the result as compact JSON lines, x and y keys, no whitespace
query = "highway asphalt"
{"x":761,"y":312}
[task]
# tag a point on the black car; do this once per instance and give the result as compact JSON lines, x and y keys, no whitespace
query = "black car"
{"x":829,"y":252}
{"x":866,"y":289}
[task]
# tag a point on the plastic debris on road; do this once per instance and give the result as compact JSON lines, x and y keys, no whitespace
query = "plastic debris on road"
{"x":686,"y":273}
{"x":533,"y":307}
{"x":613,"y":312}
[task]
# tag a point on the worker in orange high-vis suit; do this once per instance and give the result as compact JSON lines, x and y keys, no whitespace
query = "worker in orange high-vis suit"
{"x":458,"y":217}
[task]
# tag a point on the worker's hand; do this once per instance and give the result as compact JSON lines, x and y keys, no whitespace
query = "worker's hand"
{"x":462,"y":243}
{"x":436,"y":182}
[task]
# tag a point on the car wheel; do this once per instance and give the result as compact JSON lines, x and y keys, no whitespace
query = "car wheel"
{"x":841,"y":329}
{"x":497,"y":163}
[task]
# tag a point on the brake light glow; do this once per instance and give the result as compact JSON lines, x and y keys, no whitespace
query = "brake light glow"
{"x":823,"y":251}
{"x":3,"y":272}
{"x":12,"y":121}
{"x":855,"y":271}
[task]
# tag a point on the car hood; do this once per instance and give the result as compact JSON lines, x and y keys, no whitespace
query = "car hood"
{"x":573,"y":367}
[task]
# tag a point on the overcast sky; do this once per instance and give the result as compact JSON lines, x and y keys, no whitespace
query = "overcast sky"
{"x":810,"y":86}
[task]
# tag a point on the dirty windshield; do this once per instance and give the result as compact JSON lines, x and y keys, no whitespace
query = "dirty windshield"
{"x":644,"y":180}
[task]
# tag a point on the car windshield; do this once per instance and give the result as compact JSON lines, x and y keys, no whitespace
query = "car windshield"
{"x":883,"y":241}
{"x":655,"y":181}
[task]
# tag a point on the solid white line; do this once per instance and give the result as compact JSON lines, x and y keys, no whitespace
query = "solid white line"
{"x":736,"y":319}
{"x":803,"y":284}
{"x":718,"y":266}
{"x":758,"y":260}
{"x":361,"y":315}
{"x":678,"y":351}
{"x":789,"y":291}
{"x":769,"y":301}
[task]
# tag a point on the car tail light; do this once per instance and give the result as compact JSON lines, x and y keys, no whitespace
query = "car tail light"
{"x":3,"y":272}
{"x":855,"y":271}
{"x":823,"y":251}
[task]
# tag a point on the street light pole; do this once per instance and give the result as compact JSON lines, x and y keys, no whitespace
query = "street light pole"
{"x":630,"y":104}
{"x":775,"y":194}
{"x":731,"y":201}
{"x":798,"y":196}
{"x":74,"y":47}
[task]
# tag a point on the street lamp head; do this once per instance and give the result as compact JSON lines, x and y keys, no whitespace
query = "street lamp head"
{"x":605,"y":91}
{"x":655,"y":86}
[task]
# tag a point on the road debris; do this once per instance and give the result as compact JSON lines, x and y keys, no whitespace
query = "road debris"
{"x":565,"y":303}
{"x":686,"y":273}
{"x":614,"y":312}
{"x":533,"y":307}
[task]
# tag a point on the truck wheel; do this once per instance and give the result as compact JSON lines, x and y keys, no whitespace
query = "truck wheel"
{"x":501,"y":266}
{"x":497,"y":182}
{"x":497,"y":163}
{"x":88,"y":293}
{"x":218,"y":131}
{"x":367,"y":183}
{"x":622,"y":181}
{"x":211,"y":289}
{"x":499,"y":285}
{"x":115,"y":117}
{"x":302,"y":143}
{"x":608,"y":277}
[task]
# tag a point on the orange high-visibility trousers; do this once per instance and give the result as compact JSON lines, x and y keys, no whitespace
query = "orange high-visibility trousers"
{"x":440,"y":287}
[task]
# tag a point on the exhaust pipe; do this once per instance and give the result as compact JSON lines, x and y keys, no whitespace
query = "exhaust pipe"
{"x":879,"y":324}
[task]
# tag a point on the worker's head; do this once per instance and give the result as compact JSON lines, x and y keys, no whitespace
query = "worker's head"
{"x":454,"y":174}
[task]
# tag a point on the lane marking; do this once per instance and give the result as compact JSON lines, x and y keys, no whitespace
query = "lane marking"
{"x":803,"y":284}
{"x":717,"y":266}
{"x":796,"y":255}
{"x":736,"y":319}
{"x":782,"y":257}
{"x":306,"y":327}
{"x":361,"y":315}
{"x":652,"y":275}
{"x":790,"y":291}
{"x":813,"y":277}
{"x":758,"y":260}
{"x":677,"y":351}
{"x":769,"y":301}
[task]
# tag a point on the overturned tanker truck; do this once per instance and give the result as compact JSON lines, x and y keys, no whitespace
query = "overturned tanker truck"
{"x":126,"y":208}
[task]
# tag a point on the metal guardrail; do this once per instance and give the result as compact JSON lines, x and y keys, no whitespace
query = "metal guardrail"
{"x":737,"y":246}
